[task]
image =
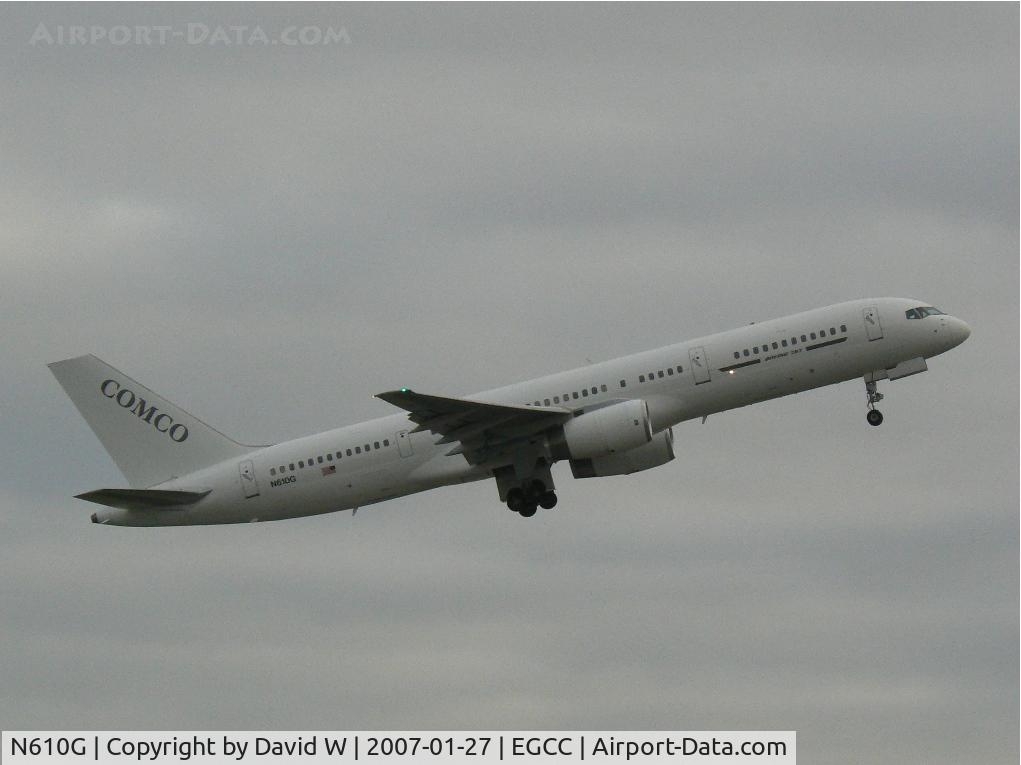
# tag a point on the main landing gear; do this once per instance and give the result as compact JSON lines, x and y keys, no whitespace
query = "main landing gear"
{"x":874,"y":416}
{"x":528,"y":498}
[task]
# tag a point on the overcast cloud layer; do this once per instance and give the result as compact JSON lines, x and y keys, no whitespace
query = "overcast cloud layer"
{"x":464,"y":196}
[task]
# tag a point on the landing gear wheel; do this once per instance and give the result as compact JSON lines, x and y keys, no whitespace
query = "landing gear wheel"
{"x":527,"y":497}
{"x":516,"y":500}
{"x":548,"y":500}
{"x":874,"y":416}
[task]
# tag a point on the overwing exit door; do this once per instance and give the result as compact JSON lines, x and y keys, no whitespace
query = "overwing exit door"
{"x":404,"y":444}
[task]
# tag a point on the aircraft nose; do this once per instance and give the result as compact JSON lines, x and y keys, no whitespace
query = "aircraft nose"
{"x":960,"y":330}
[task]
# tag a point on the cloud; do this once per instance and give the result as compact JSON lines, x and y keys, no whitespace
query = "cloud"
{"x":491,"y":194}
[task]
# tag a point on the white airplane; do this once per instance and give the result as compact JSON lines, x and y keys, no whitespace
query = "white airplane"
{"x":611,"y":418}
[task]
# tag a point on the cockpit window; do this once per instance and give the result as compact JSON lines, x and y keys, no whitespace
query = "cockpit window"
{"x":922,"y":311}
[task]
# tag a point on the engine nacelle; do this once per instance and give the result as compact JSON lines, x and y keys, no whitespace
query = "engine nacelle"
{"x":659,"y":451}
{"x":608,"y":430}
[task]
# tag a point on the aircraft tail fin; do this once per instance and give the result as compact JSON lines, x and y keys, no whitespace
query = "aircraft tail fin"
{"x":150,"y":439}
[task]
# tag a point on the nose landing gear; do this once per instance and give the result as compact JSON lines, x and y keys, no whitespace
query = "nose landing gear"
{"x":874,"y":416}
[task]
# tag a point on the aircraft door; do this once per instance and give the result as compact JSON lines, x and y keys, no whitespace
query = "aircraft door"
{"x":699,"y":365}
{"x":404,"y":444}
{"x":248,"y":482}
{"x":873,"y":328}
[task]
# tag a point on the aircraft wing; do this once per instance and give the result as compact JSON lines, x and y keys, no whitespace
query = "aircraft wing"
{"x":480,"y":430}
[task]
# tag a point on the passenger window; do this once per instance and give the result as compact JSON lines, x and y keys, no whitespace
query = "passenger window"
{"x":574,"y":395}
{"x":556,"y":399}
{"x":745,"y":352}
{"x":375,"y":444}
{"x":339,"y":455}
{"x":784,"y":342}
{"x":329,"y":457}
{"x":272,"y":471}
{"x":292,"y":466}
{"x":348,"y":452}
{"x":282,"y":468}
{"x":386,"y":442}
{"x":843,"y":328}
{"x":755,"y":350}
{"x":584,"y":392}
{"x":546,"y":402}
{"x":311,"y":462}
{"x":680,"y":369}
{"x":737,"y":354}
{"x":774,"y":346}
{"x":794,"y":341}
{"x":641,"y":378}
{"x":804,"y":339}
{"x":301,"y":463}
{"x":602,"y":388}
{"x":832,"y":331}
{"x":623,"y":383}
{"x":366,"y":447}
{"x":319,"y":460}
{"x":812,"y":335}
{"x":670,"y":370}
{"x":595,"y":391}
{"x":358,"y":450}
{"x":660,"y":373}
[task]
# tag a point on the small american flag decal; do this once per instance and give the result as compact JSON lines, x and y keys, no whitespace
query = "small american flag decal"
{"x":329,"y":470}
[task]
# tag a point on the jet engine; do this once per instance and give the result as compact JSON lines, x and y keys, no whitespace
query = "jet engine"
{"x":658,"y":451}
{"x":605,"y":431}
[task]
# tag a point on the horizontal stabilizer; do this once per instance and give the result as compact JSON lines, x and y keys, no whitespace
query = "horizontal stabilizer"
{"x":144,"y":499}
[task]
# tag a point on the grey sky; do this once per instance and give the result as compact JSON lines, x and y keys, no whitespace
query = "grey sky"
{"x":464,"y":196}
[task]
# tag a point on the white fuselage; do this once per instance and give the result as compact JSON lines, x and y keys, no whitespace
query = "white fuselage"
{"x":724,"y":371}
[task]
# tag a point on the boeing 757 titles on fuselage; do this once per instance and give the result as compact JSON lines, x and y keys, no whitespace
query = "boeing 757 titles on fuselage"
{"x":611,"y":418}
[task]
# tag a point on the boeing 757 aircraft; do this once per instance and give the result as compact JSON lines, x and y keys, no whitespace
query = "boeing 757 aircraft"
{"x":611,"y":418}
